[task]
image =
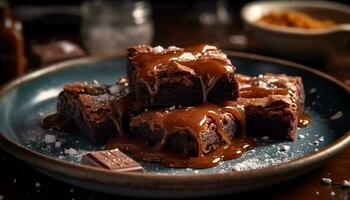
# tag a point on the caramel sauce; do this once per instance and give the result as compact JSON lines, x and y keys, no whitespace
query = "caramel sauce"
{"x":167,"y":158}
{"x":194,"y":119}
{"x":203,"y":60}
{"x":304,"y":120}
{"x":260,"y":92}
{"x":121,"y":107}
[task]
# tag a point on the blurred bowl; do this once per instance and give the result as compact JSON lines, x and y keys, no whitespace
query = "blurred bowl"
{"x":298,"y":43}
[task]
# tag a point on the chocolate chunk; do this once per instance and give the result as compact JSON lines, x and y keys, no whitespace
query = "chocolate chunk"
{"x":113,"y":160}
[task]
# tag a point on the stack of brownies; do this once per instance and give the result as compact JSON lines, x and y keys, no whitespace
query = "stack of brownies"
{"x":185,"y":100}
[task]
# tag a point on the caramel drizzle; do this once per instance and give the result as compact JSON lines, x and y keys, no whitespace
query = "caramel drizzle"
{"x":195,"y":118}
{"x":164,"y":157}
{"x":261,"y":92}
{"x":209,"y":65}
{"x":304,"y":119}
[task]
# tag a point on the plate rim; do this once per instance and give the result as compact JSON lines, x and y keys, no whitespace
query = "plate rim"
{"x":164,"y":181}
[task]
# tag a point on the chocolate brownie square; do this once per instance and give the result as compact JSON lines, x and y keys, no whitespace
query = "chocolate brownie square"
{"x":190,"y":131}
{"x":274,"y":104}
{"x":163,"y":77}
{"x":87,"y":107}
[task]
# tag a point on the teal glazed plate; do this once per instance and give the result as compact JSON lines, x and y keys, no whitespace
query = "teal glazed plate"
{"x":25,"y":101}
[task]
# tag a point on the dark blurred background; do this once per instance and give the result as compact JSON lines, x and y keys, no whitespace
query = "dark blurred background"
{"x":57,"y":30}
{"x":173,"y":22}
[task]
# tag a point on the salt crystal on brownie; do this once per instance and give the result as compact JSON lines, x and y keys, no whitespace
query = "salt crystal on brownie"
{"x":173,"y":48}
{"x":158,"y":49}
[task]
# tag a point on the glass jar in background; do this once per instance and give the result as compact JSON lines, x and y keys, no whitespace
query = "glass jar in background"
{"x":12,"y":58}
{"x":111,"y":26}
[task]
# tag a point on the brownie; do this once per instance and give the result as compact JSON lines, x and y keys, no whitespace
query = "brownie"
{"x":87,"y":107}
{"x":273,"y":103}
{"x":53,"y":52}
{"x":191,"y":131}
{"x":163,"y":77}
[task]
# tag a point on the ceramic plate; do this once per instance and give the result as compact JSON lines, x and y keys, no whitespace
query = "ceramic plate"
{"x":25,"y":101}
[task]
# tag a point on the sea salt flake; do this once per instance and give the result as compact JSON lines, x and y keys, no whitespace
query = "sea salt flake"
{"x":1,"y":197}
{"x":172,"y":108}
{"x":49,"y":139}
{"x":37,"y":184}
{"x":248,"y":164}
{"x":236,"y":168}
{"x":317,"y":193}
{"x":333,"y":193}
{"x":265,"y":138}
{"x":185,"y":57}
{"x":337,"y":115}
{"x":71,"y":151}
{"x":312,"y":90}
{"x":173,"y":48}
{"x":158,"y":49}
{"x":284,"y":148}
{"x":95,"y":83}
{"x":321,"y":139}
{"x":346,"y":183}
{"x":327,"y":180}
{"x":301,"y":136}
{"x":58,"y":144}
{"x":114,"y":89}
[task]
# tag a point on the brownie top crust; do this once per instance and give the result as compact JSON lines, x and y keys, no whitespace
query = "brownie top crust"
{"x":201,"y":59}
{"x":151,"y":65}
{"x":264,"y":89}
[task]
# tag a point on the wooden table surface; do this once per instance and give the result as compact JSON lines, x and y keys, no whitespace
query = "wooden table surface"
{"x":19,"y":181}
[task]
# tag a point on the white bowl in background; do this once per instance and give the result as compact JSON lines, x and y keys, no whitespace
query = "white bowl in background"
{"x":298,"y":43}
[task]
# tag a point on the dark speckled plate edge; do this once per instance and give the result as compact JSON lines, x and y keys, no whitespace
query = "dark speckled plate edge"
{"x":163,"y":185}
